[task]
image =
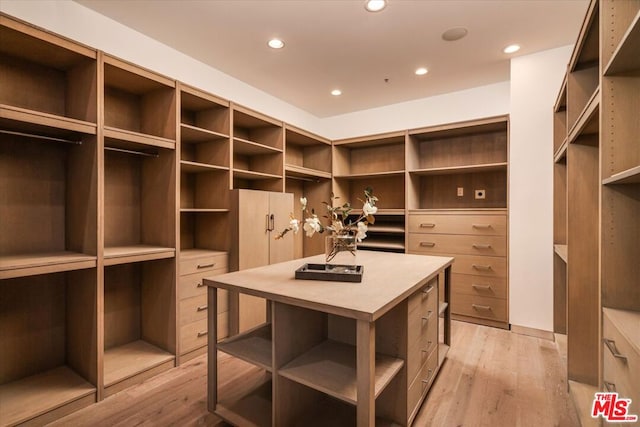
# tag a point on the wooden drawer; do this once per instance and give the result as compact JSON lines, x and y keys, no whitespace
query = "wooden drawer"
{"x":480,"y":265}
{"x":192,"y":309}
{"x":422,"y":326}
{"x":421,"y":383}
{"x":457,"y":244}
{"x":194,"y":335}
{"x":208,"y":261}
{"x":484,"y":225}
{"x":191,"y":285}
{"x":478,"y":306}
{"x":623,"y":372}
{"x":485,"y":286}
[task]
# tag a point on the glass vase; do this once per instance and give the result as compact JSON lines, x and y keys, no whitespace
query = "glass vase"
{"x":341,"y":249}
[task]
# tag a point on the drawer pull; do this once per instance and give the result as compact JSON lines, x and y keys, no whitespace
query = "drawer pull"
{"x":481,"y":307}
{"x":428,"y":316}
{"x":202,"y":308}
{"x":428,"y":349}
{"x":481,"y":246}
{"x":427,"y":244}
{"x":202,"y":334}
{"x":428,"y":380}
{"x":482,"y":226}
{"x":206,"y":265}
{"x":611,"y":387}
{"x":200,"y":284}
{"x":611,"y":345}
{"x":428,"y":290}
{"x":481,"y":287}
{"x":427,"y":225}
{"x":481,"y":267}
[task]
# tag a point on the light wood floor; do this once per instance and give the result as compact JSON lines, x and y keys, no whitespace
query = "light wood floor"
{"x":492,"y":377}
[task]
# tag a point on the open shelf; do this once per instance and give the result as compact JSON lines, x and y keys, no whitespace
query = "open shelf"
{"x":588,"y":120}
{"x":369,"y":156}
{"x":388,"y":188}
{"x":250,"y":148}
{"x":30,"y":397}
{"x":330,"y":368}
{"x":380,"y":243}
{"x":252,"y":346}
{"x":204,"y":230}
{"x":488,"y":167}
{"x":561,"y":154}
{"x":306,"y":155}
{"x":32,"y":264}
{"x":254,"y":175}
{"x":625,"y":57}
{"x":194,"y":167}
{"x":29,"y":121}
{"x":139,"y":105}
{"x":630,"y":176}
{"x":128,"y":360}
{"x":49,"y":347}
{"x":247,"y":401}
{"x":303,"y":172}
{"x":386,"y":228}
{"x":125,"y":254}
{"x":195,"y":135}
{"x":561,"y":251}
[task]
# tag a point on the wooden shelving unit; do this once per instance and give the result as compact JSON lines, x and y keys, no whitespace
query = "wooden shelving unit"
{"x":308,"y":174}
{"x":258,"y":151}
{"x":253,"y":346}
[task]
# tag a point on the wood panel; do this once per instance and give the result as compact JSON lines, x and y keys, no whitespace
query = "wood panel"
{"x":473,"y":149}
{"x":440,"y":191}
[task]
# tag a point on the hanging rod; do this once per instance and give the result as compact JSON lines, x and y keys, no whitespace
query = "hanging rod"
{"x":47,"y":138}
{"x":139,"y":153}
{"x":299,"y":178}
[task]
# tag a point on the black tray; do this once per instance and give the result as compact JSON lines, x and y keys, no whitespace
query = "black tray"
{"x":331,"y":272}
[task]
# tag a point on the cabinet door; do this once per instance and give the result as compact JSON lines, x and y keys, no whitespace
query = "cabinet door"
{"x":281,"y":207}
{"x":253,"y":237}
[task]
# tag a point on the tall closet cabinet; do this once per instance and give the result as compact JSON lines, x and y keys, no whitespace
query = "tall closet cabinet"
{"x":597,"y":204}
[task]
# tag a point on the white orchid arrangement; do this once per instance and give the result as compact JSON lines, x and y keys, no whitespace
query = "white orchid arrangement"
{"x":338,"y":218}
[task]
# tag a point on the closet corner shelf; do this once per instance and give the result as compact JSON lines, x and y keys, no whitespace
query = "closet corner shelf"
{"x":195,"y":167}
{"x":330,"y":367}
{"x":629,"y":176}
{"x":193,"y":135}
{"x":35,"y":395}
{"x":253,"y":175}
{"x":39,"y":122}
{"x":588,"y":120}
{"x":138,"y":138}
{"x":626,"y":57}
{"x":384,"y":174}
{"x":135,"y":253}
{"x":303,"y":172}
{"x":561,"y":250}
{"x":486,"y":167}
{"x":250,"y":148}
{"x":41,"y":263}
{"x":126,"y":361}
{"x":253,"y":346}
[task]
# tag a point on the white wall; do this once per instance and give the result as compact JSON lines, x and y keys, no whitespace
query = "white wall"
{"x":535,"y":82}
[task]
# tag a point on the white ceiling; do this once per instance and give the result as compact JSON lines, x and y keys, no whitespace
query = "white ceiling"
{"x":338,"y":44}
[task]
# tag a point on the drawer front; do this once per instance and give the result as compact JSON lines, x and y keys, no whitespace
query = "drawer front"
{"x":421,"y":383}
{"x":191,"y":285}
{"x":485,"y":286}
{"x":484,"y":225}
{"x":623,"y":373}
{"x":204,"y":263}
{"x":192,"y":309}
{"x":426,"y":297}
{"x":458,"y":244}
{"x":422,"y":339}
{"x":487,"y":266}
{"x":481,"y":307}
{"x":194,"y":335}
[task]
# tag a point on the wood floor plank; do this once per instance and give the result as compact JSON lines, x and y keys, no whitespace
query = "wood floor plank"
{"x":492,"y":377}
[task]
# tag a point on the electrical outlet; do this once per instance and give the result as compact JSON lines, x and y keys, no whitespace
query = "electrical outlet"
{"x":460,"y":191}
{"x":480,"y":194}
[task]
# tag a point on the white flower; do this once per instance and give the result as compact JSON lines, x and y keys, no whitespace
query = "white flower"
{"x":294,"y":224}
{"x":362,"y":231}
{"x":311,"y":225}
{"x":368,"y":209}
{"x":303,"y":202}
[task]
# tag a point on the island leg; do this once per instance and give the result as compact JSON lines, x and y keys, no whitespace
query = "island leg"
{"x":366,"y":369}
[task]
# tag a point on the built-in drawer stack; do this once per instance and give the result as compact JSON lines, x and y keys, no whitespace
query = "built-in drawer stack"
{"x":195,"y":265}
{"x":621,"y":353}
{"x":422,"y":342}
{"x":478,"y":241}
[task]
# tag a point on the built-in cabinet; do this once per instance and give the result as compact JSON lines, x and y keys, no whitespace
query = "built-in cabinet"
{"x":256,"y":219}
{"x":597,"y":202}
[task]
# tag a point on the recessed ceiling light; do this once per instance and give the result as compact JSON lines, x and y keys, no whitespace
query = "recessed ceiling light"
{"x":511,"y":48}
{"x":453,"y":34}
{"x":421,"y":71}
{"x":276,"y":44}
{"x":336,"y":92}
{"x":375,"y":5}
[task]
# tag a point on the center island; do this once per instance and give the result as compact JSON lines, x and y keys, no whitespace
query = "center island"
{"x":335,"y":353}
